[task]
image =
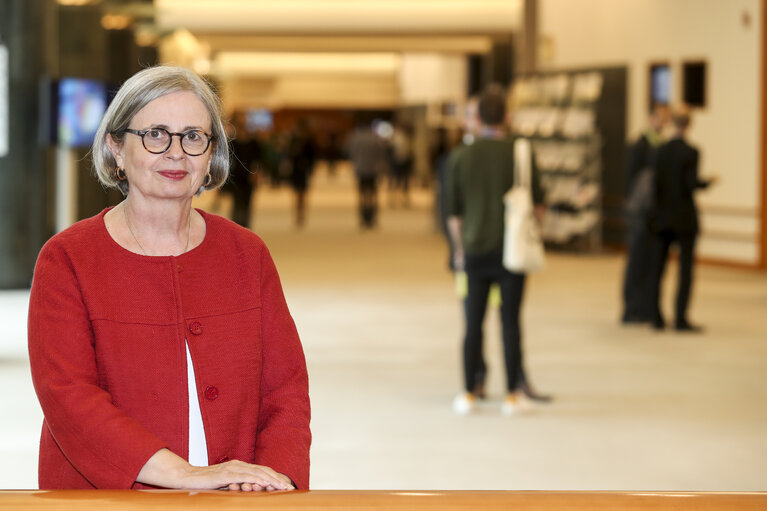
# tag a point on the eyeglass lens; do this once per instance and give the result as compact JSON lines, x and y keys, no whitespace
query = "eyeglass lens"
{"x":193,"y":142}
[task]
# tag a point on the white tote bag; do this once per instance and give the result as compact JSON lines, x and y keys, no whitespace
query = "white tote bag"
{"x":522,"y":243}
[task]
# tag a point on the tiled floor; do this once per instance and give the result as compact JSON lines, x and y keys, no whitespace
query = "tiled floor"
{"x":381,"y":325}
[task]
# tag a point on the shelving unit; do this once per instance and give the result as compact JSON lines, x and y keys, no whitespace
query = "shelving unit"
{"x":578,"y":143}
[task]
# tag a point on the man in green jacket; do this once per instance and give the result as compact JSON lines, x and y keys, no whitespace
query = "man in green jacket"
{"x":478,"y":176}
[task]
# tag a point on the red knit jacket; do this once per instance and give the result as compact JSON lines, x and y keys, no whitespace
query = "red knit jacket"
{"x":107,"y":332}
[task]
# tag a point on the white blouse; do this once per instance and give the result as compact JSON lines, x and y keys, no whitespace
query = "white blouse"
{"x":198,"y":447}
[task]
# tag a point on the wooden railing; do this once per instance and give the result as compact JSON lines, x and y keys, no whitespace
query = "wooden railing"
{"x":128,"y":500}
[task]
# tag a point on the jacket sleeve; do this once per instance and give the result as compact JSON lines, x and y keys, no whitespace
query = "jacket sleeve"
{"x":693,"y":180}
{"x":106,"y":446}
{"x":284,"y":436}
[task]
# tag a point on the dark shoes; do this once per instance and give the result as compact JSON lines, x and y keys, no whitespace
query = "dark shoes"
{"x":524,"y":387}
{"x":635,"y":319}
{"x":679,"y":326}
{"x":532,"y":395}
{"x":684,"y":326}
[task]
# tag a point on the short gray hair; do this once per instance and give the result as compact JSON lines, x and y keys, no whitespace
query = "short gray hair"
{"x":138,"y":91}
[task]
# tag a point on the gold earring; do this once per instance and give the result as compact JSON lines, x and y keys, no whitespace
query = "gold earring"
{"x":120,"y":173}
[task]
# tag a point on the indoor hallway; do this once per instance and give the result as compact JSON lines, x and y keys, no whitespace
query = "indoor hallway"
{"x":381,"y":327}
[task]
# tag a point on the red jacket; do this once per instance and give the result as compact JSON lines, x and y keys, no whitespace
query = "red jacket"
{"x":107,"y":330}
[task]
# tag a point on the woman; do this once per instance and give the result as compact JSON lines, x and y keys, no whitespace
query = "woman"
{"x":162,"y":351}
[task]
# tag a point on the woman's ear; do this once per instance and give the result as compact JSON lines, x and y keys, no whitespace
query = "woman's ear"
{"x":116,"y":150}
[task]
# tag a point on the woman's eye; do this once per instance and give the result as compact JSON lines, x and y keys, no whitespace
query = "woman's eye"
{"x":155,"y":133}
{"x":192,"y":136}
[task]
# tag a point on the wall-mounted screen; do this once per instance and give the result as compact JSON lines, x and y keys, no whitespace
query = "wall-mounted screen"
{"x":81,"y":105}
{"x":259,"y":119}
{"x":660,"y":84}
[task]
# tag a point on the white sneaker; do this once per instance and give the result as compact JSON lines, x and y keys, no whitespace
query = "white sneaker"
{"x":464,"y":403}
{"x":511,"y":405}
{"x":524,"y":403}
{"x":517,"y":402}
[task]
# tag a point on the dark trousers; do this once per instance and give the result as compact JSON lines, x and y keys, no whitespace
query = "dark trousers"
{"x":661,"y":242}
{"x":481,"y":271}
{"x":637,"y":280}
{"x":368,"y":189}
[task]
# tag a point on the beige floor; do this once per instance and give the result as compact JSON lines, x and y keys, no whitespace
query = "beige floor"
{"x":381,"y":327}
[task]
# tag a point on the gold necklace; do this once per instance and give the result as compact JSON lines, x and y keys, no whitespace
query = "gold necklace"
{"x":188,"y":235}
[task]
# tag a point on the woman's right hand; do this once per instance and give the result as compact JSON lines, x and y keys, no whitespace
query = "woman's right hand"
{"x":167,"y":470}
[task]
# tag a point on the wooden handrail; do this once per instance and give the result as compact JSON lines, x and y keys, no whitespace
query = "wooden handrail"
{"x":147,"y":500}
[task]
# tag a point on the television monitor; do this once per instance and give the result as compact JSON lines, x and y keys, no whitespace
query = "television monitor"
{"x":79,"y":106}
{"x":259,"y":119}
{"x":660,"y":84}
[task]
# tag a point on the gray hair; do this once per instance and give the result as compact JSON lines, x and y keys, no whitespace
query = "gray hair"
{"x":138,"y":91}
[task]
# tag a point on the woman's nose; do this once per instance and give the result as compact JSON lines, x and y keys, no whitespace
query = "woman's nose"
{"x":175,"y":149}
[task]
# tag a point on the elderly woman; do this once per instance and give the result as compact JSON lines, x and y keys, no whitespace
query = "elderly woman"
{"x":162,"y":350}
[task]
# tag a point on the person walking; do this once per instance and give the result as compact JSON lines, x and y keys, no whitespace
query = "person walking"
{"x":636,"y":280}
{"x":402,"y":163}
{"x":675,"y":219}
{"x":302,"y":152}
{"x":478,"y":177}
{"x":242,"y":179}
{"x":367,"y":152}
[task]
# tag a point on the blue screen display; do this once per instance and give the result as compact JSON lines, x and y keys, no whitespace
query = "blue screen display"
{"x":81,"y":105}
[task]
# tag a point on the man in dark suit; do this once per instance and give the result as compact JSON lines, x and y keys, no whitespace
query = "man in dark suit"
{"x":675,"y":218}
{"x":636,"y":282}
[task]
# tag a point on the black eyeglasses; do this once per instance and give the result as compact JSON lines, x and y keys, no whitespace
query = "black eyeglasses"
{"x":158,"y":140}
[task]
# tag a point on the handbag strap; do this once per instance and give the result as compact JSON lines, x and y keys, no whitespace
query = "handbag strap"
{"x":522,"y":162}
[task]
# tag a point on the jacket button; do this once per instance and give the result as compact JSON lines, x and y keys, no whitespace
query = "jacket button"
{"x":222,"y":459}
{"x":195,"y":327}
{"x":211,"y":392}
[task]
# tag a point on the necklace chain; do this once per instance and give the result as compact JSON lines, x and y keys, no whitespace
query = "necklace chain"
{"x":188,"y":235}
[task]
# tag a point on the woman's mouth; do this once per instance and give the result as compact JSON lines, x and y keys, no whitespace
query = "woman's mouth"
{"x":175,"y":175}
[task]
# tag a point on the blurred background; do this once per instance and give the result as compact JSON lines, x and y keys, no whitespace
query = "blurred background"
{"x":376,"y":308}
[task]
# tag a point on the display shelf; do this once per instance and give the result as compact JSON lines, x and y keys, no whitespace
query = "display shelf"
{"x":574,"y":142}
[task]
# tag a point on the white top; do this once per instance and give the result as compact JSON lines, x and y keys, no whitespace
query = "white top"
{"x":198,"y":447}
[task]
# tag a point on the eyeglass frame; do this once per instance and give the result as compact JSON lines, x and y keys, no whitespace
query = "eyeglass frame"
{"x":181,"y":136}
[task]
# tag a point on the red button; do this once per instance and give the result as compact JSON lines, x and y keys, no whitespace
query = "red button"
{"x":211,"y":393}
{"x":179,"y":268}
{"x":195,"y":327}
{"x":222,"y":459}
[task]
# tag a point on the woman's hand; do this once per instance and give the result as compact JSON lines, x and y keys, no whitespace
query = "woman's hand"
{"x":168,"y":470}
{"x":235,"y":475}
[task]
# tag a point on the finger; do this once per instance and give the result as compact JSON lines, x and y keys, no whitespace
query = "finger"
{"x":234,"y":487}
{"x":256,"y":478}
{"x":284,"y":482}
{"x":259,"y":475}
{"x":274,"y":478}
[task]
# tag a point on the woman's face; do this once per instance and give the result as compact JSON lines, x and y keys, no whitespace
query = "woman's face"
{"x":172,"y":174}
